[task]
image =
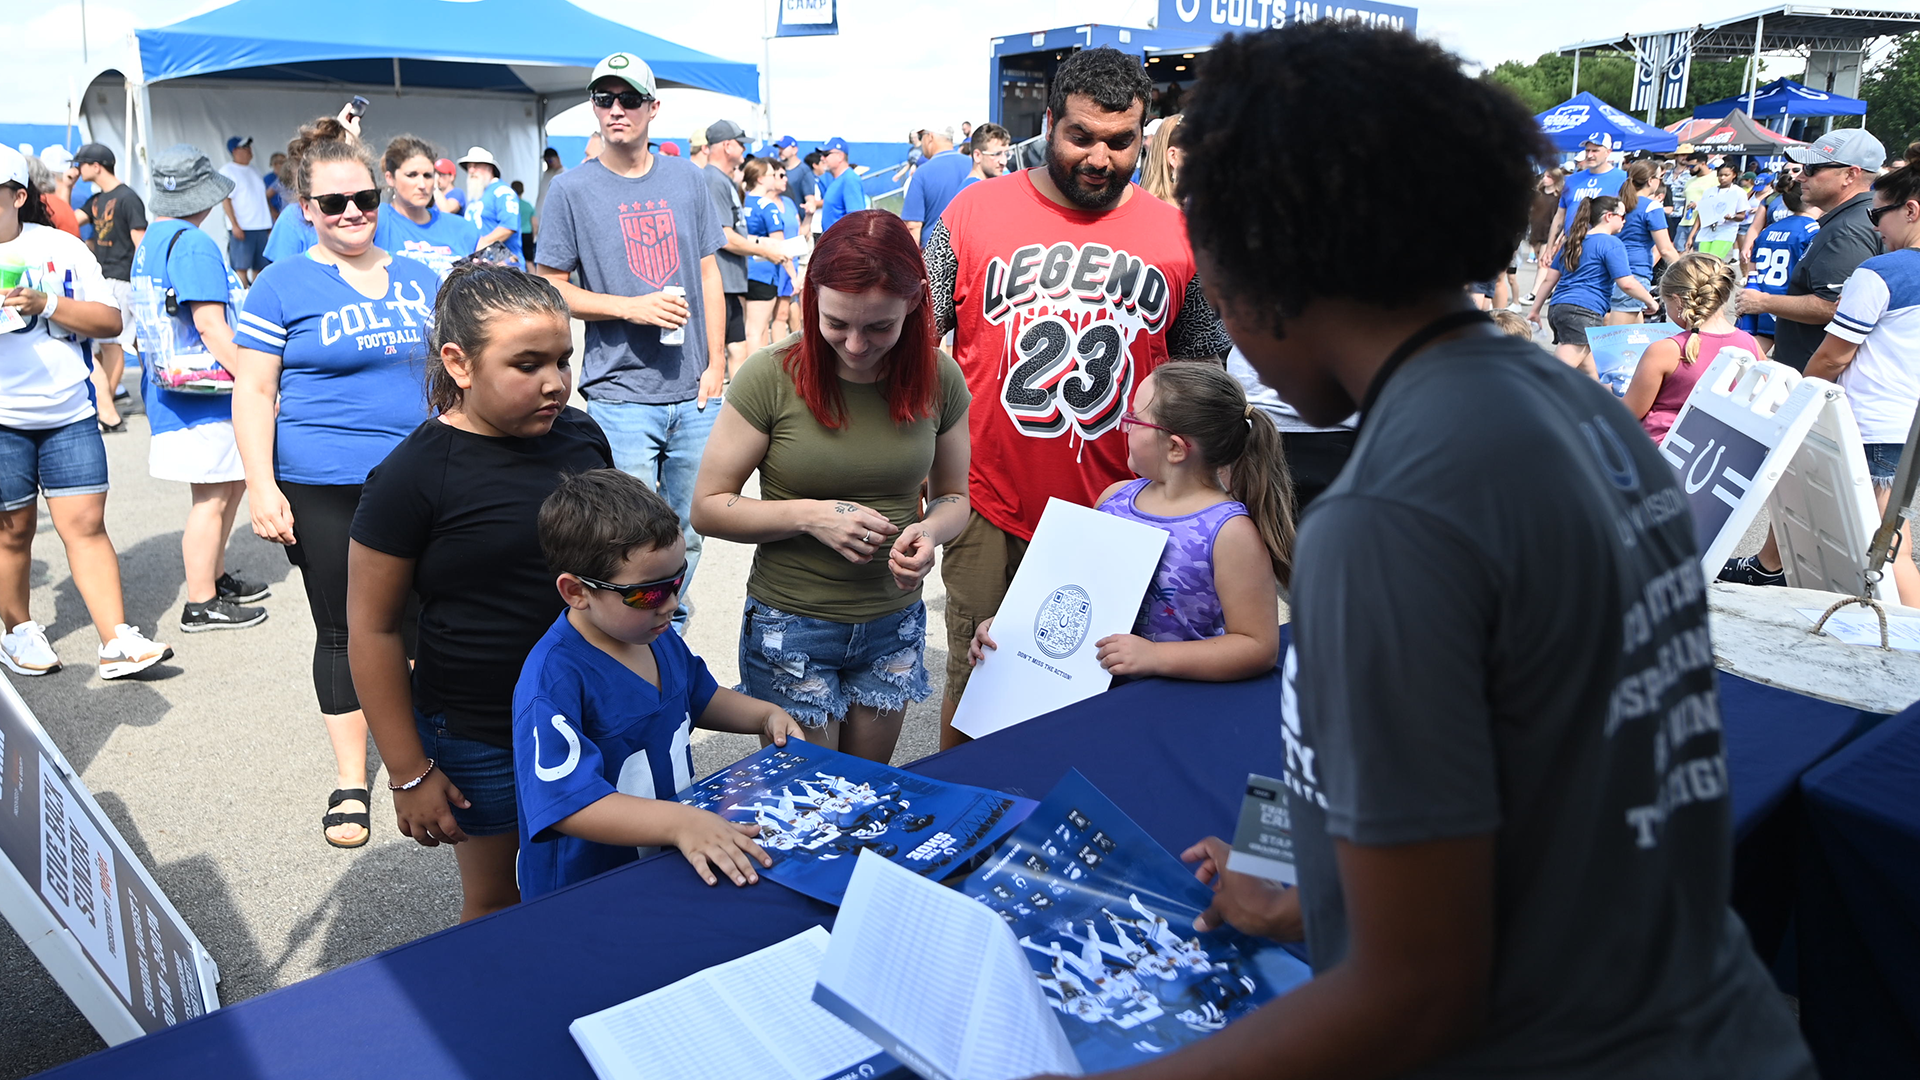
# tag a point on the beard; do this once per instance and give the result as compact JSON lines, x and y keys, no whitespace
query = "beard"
{"x":1068,"y":181}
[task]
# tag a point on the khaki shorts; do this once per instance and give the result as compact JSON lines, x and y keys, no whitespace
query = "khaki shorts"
{"x":976,"y":567}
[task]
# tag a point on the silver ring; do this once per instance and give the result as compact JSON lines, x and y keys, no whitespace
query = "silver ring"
{"x":866,"y":537}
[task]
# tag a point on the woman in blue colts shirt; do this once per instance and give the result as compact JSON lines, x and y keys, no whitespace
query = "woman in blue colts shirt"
{"x":339,"y":336}
{"x":416,"y":228}
{"x":293,"y":233}
{"x":1644,"y":232}
{"x":1578,"y":280}
{"x":765,"y":181}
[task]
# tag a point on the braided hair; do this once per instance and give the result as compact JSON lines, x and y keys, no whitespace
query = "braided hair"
{"x":1703,"y":286}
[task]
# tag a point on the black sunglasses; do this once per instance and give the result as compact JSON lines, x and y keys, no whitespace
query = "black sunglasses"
{"x":628,"y":99}
{"x":335,"y":205}
{"x":1874,"y":215}
{"x":1811,"y":169}
{"x":647,"y":594}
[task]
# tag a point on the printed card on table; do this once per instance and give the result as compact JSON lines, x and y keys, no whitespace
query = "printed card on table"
{"x":818,"y":809}
{"x":1082,"y":579}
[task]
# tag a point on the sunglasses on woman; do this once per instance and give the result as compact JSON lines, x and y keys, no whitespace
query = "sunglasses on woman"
{"x":628,"y":99}
{"x":647,"y":594}
{"x":335,"y":205}
{"x":1874,"y":215}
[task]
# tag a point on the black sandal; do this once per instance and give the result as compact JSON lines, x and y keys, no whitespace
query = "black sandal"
{"x":362,"y":819}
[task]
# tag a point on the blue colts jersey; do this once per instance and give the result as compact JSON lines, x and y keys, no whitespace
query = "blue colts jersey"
{"x":1774,"y":258}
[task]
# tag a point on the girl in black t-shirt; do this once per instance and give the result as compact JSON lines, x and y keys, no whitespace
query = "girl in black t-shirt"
{"x":450,"y":515}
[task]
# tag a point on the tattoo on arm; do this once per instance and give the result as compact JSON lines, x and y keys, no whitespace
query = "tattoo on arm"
{"x":942,"y":500}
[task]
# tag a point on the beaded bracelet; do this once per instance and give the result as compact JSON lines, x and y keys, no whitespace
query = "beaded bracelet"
{"x":413,"y":783}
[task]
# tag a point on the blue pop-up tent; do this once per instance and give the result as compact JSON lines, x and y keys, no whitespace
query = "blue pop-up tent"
{"x":1784,"y":97}
{"x":476,"y":73}
{"x":1583,"y":117}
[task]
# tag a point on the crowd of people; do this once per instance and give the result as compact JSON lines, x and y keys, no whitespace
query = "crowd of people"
{"x":499,"y":582}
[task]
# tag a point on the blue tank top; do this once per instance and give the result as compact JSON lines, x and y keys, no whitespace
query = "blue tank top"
{"x":1181,"y":604}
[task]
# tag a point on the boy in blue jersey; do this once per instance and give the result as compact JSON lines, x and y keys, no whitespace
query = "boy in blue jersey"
{"x":604,"y":711}
{"x":1776,"y":254}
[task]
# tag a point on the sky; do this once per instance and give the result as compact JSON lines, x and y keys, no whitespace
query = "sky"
{"x":897,"y":65}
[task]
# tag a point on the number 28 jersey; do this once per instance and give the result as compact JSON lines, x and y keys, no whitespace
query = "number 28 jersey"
{"x":1774,"y":258}
{"x":1057,"y":315}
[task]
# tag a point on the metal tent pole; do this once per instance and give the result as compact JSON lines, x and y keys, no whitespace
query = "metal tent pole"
{"x":1576,"y":72}
{"x":1753,"y":80}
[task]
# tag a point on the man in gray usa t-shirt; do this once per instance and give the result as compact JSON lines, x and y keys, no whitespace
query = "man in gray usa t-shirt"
{"x":1546,"y":679}
{"x":633,"y":224}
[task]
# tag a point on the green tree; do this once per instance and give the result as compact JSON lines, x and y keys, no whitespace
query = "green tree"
{"x":1548,"y":81}
{"x":1892,"y":93}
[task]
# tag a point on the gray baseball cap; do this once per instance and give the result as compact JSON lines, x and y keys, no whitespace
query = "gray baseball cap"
{"x":721,"y":130}
{"x":1844,"y":146}
{"x":185,"y":183}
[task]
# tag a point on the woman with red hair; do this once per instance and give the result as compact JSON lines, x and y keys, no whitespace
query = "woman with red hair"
{"x":844,"y":421}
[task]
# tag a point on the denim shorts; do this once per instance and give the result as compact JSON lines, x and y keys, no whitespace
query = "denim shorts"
{"x":1622,"y":302}
{"x":1883,"y":460}
{"x":816,"y":669}
{"x":482,"y":771}
{"x":70,"y":460}
{"x":1570,"y":324}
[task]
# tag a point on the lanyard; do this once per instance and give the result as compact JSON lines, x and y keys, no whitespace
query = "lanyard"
{"x":1418,"y":340}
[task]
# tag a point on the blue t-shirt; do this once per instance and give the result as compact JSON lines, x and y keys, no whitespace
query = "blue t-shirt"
{"x":1603,"y":261}
{"x":352,"y":369}
{"x":933,"y":186}
{"x":801,"y":183}
{"x":276,"y":195}
{"x":458,"y":196}
{"x":844,"y":196}
{"x":437,"y":244}
{"x":764,"y":217}
{"x":82,"y":191}
{"x":195,"y":272}
{"x":498,"y":208}
{"x":584,"y":727}
{"x":291,"y":235}
{"x":1774,"y":257}
{"x":1637,"y":234}
{"x":1590,"y":185}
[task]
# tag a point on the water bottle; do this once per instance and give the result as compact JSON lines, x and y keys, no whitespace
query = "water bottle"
{"x":677,"y":335}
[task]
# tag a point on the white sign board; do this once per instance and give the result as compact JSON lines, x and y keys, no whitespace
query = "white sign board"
{"x":1823,"y":510}
{"x":1732,"y":441}
{"x":1082,"y":579}
{"x":80,"y":898}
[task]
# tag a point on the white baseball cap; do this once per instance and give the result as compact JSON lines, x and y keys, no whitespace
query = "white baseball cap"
{"x":13,"y":168}
{"x":480,"y":155}
{"x":630,"y":69}
{"x":57,"y":158}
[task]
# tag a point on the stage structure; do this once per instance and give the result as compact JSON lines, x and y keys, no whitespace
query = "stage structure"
{"x":1833,"y":40}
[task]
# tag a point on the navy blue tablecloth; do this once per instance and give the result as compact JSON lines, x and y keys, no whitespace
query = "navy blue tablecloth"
{"x":1859,"y":930}
{"x":493,"y":998}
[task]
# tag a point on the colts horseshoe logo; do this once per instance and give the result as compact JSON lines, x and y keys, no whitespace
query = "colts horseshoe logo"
{"x":566,"y":767}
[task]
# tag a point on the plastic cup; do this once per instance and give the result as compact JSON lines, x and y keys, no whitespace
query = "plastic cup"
{"x":11,"y":273}
{"x":677,"y":335}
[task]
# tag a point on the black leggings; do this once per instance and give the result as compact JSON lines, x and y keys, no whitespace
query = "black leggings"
{"x":322,"y":519}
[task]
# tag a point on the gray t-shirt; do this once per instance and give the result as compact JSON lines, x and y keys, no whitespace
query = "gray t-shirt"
{"x":1501,"y":628}
{"x":726,"y":205}
{"x":630,"y":237}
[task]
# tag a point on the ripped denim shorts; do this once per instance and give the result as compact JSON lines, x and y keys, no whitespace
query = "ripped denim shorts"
{"x":816,"y":669}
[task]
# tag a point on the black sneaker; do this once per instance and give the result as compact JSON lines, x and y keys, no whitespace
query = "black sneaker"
{"x":220,"y":614}
{"x":1748,"y":571}
{"x":239,"y":591}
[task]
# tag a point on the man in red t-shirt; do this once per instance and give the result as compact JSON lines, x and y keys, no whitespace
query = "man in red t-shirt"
{"x":1064,"y":286}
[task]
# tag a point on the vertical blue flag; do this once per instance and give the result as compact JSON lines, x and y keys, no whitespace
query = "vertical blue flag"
{"x":807,"y":18}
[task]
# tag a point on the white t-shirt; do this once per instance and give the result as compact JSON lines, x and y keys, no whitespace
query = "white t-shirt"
{"x":1718,"y":210}
{"x":1880,"y":311}
{"x":249,"y":196}
{"x":1268,"y":400}
{"x":43,"y":368}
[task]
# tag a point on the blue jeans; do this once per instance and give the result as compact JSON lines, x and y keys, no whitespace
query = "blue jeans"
{"x":662,"y":444}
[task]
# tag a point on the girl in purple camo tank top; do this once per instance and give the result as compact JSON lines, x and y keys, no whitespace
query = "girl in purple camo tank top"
{"x":1212,"y":611}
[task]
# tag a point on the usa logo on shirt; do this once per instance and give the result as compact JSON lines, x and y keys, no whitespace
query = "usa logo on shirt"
{"x":653,"y":242}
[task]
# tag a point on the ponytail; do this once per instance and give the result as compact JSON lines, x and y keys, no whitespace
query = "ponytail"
{"x":1703,"y":286}
{"x":1585,"y":217}
{"x":1201,"y":402}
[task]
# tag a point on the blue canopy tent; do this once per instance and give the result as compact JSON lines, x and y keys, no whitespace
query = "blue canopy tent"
{"x":1783,"y":98}
{"x":478,"y":72}
{"x":1584,"y":116}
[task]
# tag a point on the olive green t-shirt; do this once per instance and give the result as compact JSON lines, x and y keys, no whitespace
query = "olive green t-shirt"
{"x":869,"y":460}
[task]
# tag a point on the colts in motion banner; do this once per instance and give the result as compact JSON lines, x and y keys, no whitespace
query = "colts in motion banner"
{"x":807,"y":18}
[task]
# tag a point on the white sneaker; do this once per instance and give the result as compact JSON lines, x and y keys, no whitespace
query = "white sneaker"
{"x":130,"y":651}
{"x":26,"y":650}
